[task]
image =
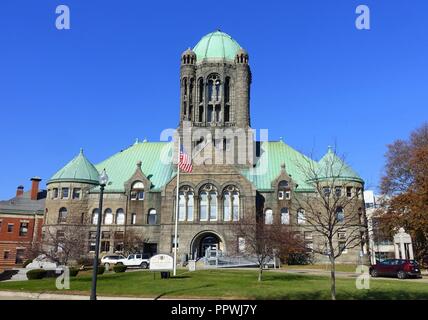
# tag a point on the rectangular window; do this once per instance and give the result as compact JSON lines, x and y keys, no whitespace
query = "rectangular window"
{"x":342,"y":246}
{"x":308,"y":235}
{"x":349,"y":192}
{"x":55,"y":193}
{"x":105,"y":235}
{"x":6,"y":255}
{"x":119,"y":235}
{"x":338,"y":192}
{"x":76,"y":193}
{"x":10,"y":227}
{"x":326,"y":191}
{"x":105,"y":246}
{"x":287,"y":195}
{"x":358,"y":192}
{"x":133,"y":195}
{"x":133,"y":218}
{"x":23,"y":229}
{"x":19,"y":256}
{"x":241,"y":245}
{"x":140,"y":195}
{"x":64,"y":193}
{"x":119,"y":246}
{"x":60,"y":235}
{"x":93,"y":235}
{"x":341,"y":235}
{"x":92,"y":246}
{"x":280,"y":195}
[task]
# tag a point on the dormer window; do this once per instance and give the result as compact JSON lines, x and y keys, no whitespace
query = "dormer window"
{"x":284,"y":191}
{"x":137,"y":192}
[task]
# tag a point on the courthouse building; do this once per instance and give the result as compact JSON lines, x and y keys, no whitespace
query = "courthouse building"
{"x":232,"y":178}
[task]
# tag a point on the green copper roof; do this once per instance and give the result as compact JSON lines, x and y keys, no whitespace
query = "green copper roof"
{"x":216,"y":45}
{"x":121,"y":166}
{"x":77,"y":170}
{"x":332,"y":166}
{"x":268,"y":168}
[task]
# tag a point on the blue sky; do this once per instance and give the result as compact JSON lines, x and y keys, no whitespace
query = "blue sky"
{"x":114,"y":77}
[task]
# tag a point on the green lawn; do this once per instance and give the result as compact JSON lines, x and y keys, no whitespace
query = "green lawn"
{"x":323,"y":267}
{"x":228,"y":284}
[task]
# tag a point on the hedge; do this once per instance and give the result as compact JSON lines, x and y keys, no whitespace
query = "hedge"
{"x":101,"y":269}
{"x":36,"y":274}
{"x":119,"y":268}
{"x":73,"y":272}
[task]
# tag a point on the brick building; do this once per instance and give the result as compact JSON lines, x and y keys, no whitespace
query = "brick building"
{"x":21,"y":220}
{"x":234,"y":176}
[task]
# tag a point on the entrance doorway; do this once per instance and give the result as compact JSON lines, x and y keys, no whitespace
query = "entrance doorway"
{"x":205,"y":241}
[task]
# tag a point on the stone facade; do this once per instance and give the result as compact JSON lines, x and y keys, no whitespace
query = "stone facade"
{"x":215,"y":94}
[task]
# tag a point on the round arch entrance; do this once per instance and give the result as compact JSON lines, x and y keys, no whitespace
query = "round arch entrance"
{"x":203,"y":241}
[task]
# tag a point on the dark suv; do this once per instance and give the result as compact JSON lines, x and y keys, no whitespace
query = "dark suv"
{"x":397,"y":268}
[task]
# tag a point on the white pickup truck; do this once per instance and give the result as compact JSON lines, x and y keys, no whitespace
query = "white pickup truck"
{"x":133,"y":260}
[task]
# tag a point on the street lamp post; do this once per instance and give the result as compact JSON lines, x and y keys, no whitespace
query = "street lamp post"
{"x":103,"y":182}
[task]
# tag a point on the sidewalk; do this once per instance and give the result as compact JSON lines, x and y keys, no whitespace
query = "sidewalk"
{"x":12,"y":295}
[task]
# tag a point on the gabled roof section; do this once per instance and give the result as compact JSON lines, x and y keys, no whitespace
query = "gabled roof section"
{"x":154,"y":164}
{"x":80,"y":169}
{"x":268,"y":167}
{"x":332,"y":166}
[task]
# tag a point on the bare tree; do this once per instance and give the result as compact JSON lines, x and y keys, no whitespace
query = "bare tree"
{"x":133,"y":242}
{"x":62,"y":244}
{"x":333,"y":209}
{"x":262,"y":241}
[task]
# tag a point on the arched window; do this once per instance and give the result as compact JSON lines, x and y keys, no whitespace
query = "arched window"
{"x":283,"y":190}
{"x":231,"y":203}
{"x":301,"y":218}
{"x":213,"y":205}
{"x":95,"y":214}
{"x":340,"y":214}
{"x":185,"y":204}
{"x":62,"y":217}
{"x":153,"y":217}
{"x":182,"y":207}
{"x":201,"y":113}
{"x":208,"y":203}
{"x":268,"y":216}
{"x":108,"y":216}
{"x":214,"y":87}
{"x":137,"y":191}
{"x":227,"y":90}
{"x":201,"y":89}
{"x":285,"y":216}
{"x":203,"y":205}
{"x":120,"y":216}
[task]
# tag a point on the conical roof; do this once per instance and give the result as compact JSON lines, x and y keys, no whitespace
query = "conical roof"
{"x":332,"y":166}
{"x":80,"y":169}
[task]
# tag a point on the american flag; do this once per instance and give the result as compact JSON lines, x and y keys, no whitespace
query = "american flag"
{"x":185,"y":163}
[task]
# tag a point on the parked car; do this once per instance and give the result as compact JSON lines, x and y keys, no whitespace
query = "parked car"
{"x":136,"y":260}
{"x":397,"y":268}
{"x":112,"y":259}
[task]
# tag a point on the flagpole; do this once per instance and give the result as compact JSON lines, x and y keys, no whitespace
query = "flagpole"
{"x":176,"y":208}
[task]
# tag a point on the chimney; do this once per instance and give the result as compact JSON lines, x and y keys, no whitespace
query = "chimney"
{"x":19,"y":191}
{"x":35,"y":187}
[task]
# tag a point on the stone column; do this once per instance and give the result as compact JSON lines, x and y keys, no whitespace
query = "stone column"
{"x":411,"y":256}
{"x":403,"y":249}
{"x":397,"y":251}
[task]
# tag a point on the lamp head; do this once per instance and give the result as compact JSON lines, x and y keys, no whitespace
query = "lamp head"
{"x":103,"y":178}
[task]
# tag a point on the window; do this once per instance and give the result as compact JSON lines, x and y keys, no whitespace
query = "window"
{"x":55,"y":193}
{"x":95,"y":216}
{"x":213,"y":206}
{"x":6,"y":255}
{"x":201,"y":89}
{"x":137,"y":192}
{"x":65,"y":193}
{"x":338,"y":192}
{"x":105,"y":246}
{"x":241,"y":244}
{"x":76,"y":193}
{"x":119,"y":235}
{"x":235,"y":206}
{"x":301,"y":219}
{"x":226,"y":207}
{"x":92,"y":246}
{"x":280,"y":195}
{"x":342,"y":246}
{"x":92,"y":235}
{"x":308,"y":235}
{"x":326,"y":191}
{"x":190,"y":204}
{"x":340,"y":215}
{"x":108,"y":216}
{"x":309,"y":246}
{"x":182,"y":207}
{"x":227,"y":90}
{"x":217,"y":113}
{"x":133,"y":218}
{"x":226,"y":113}
{"x":269,"y":216}
{"x":10,"y":227}
{"x":285,"y":216}
{"x":62,"y":216}
{"x":105,"y":235}
{"x":23,"y":229}
{"x":82,"y":218}
{"x":203,"y":206}
{"x":20,"y":256}
{"x":120,"y":216}
{"x":283,"y":190}
{"x":210,"y":114}
{"x":349,"y":192}
{"x":201,"y":113}
{"x":358,"y":192}
{"x":152,"y":217}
